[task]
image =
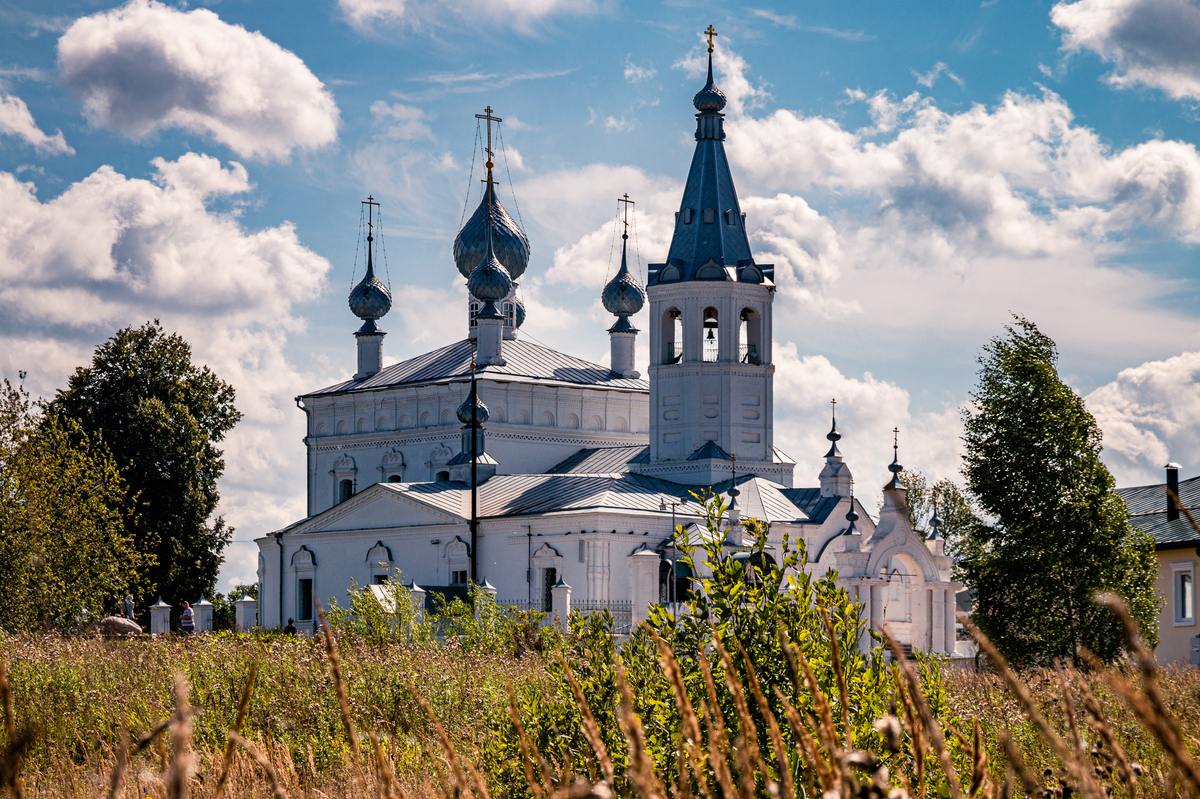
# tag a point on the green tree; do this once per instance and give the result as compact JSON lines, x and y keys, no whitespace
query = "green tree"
{"x":64,"y":556}
{"x":955,"y":509}
{"x":162,"y":418}
{"x":1056,"y":532}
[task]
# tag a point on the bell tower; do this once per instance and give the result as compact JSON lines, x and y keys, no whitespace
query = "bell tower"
{"x":710,"y":327}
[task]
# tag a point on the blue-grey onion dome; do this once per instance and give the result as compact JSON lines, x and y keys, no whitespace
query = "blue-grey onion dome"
{"x":370,"y":299}
{"x":624,"y":295}
{"x":509,"y":241}
{"x":518,"y":311}
{"x":935,"y":524}
{"x":709,"y":99}
{"x":852,"y":514}
{"x":489,"y":281}
{"x":464,"y":410}
{"x":834,"y":437}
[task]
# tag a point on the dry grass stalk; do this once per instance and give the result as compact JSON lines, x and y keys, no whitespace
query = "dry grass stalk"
{"x":231,"y":746}
{"x":1152,"y":707}
{"x":928,"y":721}
{"x":836,"y":651}
{"x":979,"y":762}
{"x":641,"y":768}
{"x":263,"y":762}
{"x":690,"y":736}
{"x":335,"y":670}
{"x":528,"y":751}
{"x":782,"y":761}
{"x":1078,"y":767}
{"x":745,"y":752}
{"x":461,"y":786}
{"x":385,"y":774}
{"x":1017,"y":763}
{"x":591,"y":730}
{"x":1099,"y":723}
{"x":116,"y":779}
{"x":180,"y":772}
{"x":10,"y":766}
{"x":718,"y":738}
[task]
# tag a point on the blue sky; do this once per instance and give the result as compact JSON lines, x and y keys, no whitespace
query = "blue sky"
{"x":915,"y":171}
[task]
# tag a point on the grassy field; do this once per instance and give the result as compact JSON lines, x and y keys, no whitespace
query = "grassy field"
{"x":418,"y":708}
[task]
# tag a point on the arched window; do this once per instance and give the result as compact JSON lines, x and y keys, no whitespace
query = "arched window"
{"x":345,"y":490}
{"x":712,"y":335}
{"x":672,"y":336}
{"x":475,"y":306}
{"x":750,"y":337}
{"x":547,"y":419}
{"x":443,"y":477}
{"x":395,"y":478}
{"x":677,"y":588}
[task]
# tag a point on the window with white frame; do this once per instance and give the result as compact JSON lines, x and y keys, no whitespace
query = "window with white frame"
{"x":1183,"y":580}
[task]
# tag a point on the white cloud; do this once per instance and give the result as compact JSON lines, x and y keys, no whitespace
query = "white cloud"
{"x":518,"y":14}
{"x":1155,"y":43}
{"x":145,"y":67}
{"x":113,"y":251}
{"x":400,"y":121}
{"x":1150,"y":415}
{"x":868,"y":409}
{"x":16,"y":120}
{"x":635,"y":73}
{"x":929,"y":78}
{"x":622,"y":124}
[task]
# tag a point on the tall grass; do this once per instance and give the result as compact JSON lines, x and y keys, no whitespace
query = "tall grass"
{"x":169,"y":718}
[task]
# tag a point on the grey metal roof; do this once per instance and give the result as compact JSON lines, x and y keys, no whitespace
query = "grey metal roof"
{"x":709,"y":450}
{"x":526,"y":362}
{"x":1148,"y":511}
{"x":809,"y":500}
{"x":599,"y":460}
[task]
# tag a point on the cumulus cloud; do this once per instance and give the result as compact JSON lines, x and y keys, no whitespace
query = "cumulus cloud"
{"x":1150,"y":415}
{"x":16,"y":120}
{"x":1154,"y":43}
{"x":636,"y":73}
{"x":518,"y":14}
{"x":868,"y":409}
{"x":145,"y":67}
{"x":113,"y":251}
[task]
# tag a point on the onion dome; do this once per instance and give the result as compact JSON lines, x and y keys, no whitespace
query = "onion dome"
{"x":935,"y":526}
{"x":518,"y":312}
{"x":464,"y":410}
{"x":511,"y":245}
{"x":894,"y":467}
{"x":489,"y":281}
{"x":370,"y":299}
{"x":624,"y":295}
{"x":852,"y":517}
{"x":834,"y":437}
{"x":710,"y":99}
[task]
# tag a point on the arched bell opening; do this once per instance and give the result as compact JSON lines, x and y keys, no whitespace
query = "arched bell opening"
{"x":712,"y":335}
{"x":750,"y":336}
{"x":674,"y":582}
{"x":672,"y":336}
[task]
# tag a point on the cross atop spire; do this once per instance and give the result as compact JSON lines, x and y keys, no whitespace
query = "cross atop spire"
{"x":487,"y":114}
{"x":710,"y":33}
{"x":371,"y":206}
{"x":628,"y":202}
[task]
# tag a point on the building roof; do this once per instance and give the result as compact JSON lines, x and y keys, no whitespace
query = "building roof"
{"x":599,"y":460}
{"x":525,"y":362}
{"x":1148,"y":511}
{"x":809,"y":500}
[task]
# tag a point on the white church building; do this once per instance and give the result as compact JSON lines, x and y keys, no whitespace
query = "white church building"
{"x":581,"y":468}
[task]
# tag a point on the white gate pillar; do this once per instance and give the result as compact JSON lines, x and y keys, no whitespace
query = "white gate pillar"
{"x":951,"y":618}
{"x":160,"y":618}
{"x":560,"y":603}
{"x":937,"y":625}
{"x":643,"y":581}
{"x":204,"y":615}
{"x":247,"y":615}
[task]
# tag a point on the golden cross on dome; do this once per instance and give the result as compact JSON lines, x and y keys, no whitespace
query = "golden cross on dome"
{"x":487,"y":114}
{"x":628,"y":202}
{"x":710,"y":33}
{"x":371,"y":205}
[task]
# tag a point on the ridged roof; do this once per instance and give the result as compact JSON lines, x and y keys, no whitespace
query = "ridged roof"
{"x":1148,"y":511}
{"x":809,"y":500}
{"x":525,"y":362}
{"x":599,"y":460}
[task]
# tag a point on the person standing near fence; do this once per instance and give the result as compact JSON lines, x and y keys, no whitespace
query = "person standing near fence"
{"x":187,"y":619}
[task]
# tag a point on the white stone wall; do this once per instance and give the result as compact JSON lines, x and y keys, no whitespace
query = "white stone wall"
{"x":530,"y":430}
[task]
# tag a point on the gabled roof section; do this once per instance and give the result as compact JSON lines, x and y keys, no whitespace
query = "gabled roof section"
{"x":1148,"y":511}
{"x":599,"y":460}
{"x":709,"y":450}
{"x":525,"y":362}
